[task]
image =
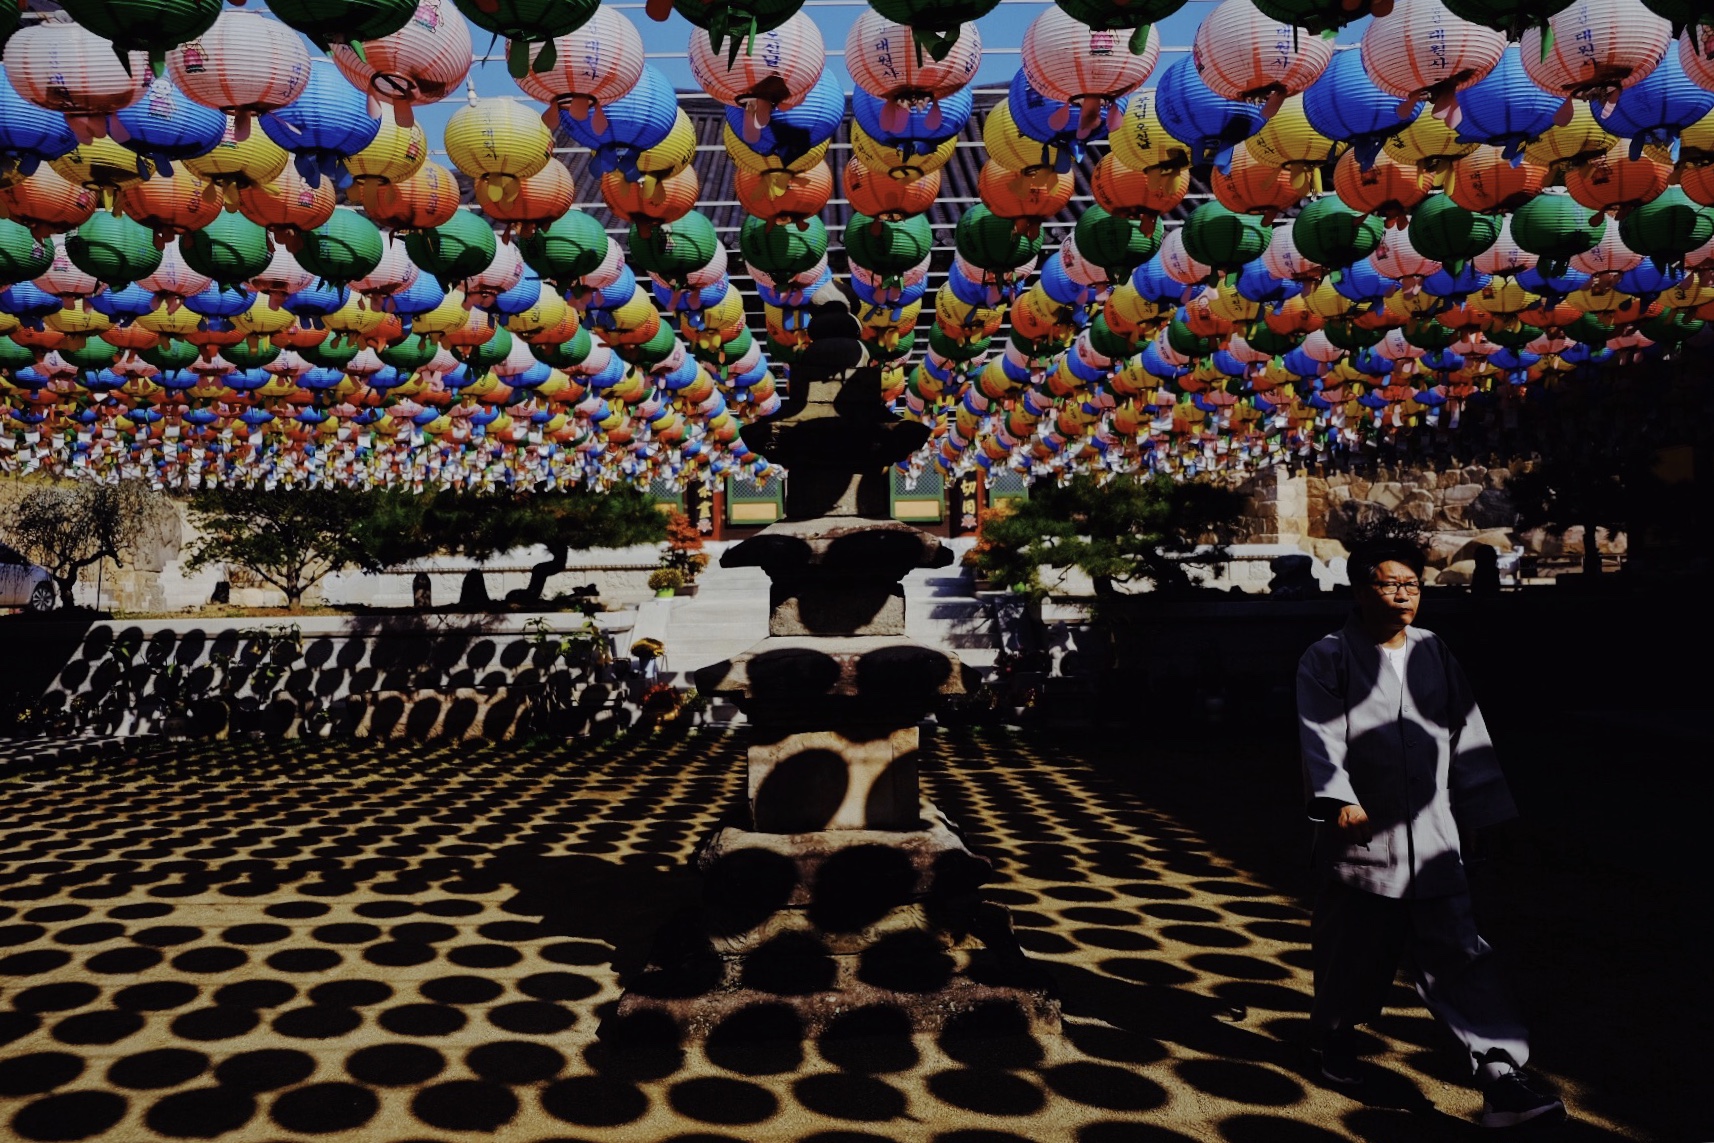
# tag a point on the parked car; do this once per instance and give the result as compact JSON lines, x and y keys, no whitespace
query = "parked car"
{"x":23,"y":584}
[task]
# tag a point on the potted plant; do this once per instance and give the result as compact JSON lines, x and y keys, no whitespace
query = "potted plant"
{"x":664,"y":582}
{"x":684,"y":552}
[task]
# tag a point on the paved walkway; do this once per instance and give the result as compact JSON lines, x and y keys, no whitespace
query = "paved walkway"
{"x":390,"y":944}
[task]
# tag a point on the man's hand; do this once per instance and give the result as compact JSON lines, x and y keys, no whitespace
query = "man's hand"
{"x":1353,"y":824}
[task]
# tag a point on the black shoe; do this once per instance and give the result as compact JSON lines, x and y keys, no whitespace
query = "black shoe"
{"x":1340,"y":1065}
{"x":1510,"y":1100}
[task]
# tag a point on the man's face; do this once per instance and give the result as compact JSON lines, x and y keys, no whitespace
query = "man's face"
{"x":1385,"y":601}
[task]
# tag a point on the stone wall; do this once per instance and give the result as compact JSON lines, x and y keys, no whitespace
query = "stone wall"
{"x":1460,"y":508}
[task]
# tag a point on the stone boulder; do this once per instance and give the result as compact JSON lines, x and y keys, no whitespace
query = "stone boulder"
{"x":1456,"y":574}
{"x":1492,"y":508}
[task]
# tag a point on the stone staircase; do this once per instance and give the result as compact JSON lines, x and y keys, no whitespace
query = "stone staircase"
{"x":729,"y":614}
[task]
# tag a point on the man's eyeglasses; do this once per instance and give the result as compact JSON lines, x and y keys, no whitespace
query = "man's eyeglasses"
{"x":1394,"y":586}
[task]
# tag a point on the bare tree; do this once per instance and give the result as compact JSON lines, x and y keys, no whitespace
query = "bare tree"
{"x":68,"y":527}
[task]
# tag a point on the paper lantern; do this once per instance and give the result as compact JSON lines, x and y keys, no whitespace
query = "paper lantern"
{"x":775,"y":72}
{"x":1616,"y":183}
{"x":1345,"y":104}
{"x":1657,"y":107}
{"x":344,"y":248}
{"x":170,"y":205}
{"x":1421,"y":50}
{"x":782,"y":251}
{"x":881,"y":159}
{"x":1143,"y":144}
{"x":737,"y":21}
{"x":523,"y":23}
{"x":103,"y":166}
{"x":234,"y":164}
{"x":497,"y":142}
{"x":1595,"y":48}
{"x":1556,"y":228}
{"x":671,"y":156}
{"x":1253,"y":187}
{"x":329,"y":22}
{"x":1505,"y":108}
{"x":396,"y":155}
{"x":1142,"y":196}
{"x":460,"y":248}
{"x":793,"y":199}
{"x":327,"y":124}
{"x":1667,"y":227}
{"x":164,"y":126}
{"x":991,"y":243}
{"x":565,"y":251}
{"x":1696,"y":55}
{"x":885,"y":61}
{"x":935,"y":24}
{"x":540,"y":198}
{"x":1113,"y":15}
{"x":29,"y":135}
{"x":1330,"y":233}
{"x":1571,"y":144}
{"x":1112,"y":247}
{"x":637,"y":121}
{"x":23,"y":256}
{"x":1027,"y":201}
{"x":1012,"y":149}
{"x":229,"y":250}
{"x":244,"y":65}
{"x":1485,"y":180}
{"x":1242,"y":53}
{"x":592,"y":66}
{"x":1209,"y":126}
{"x":1085,"y":68}
{"x":69,"y":69}
{"x":46,"y":202}
{"x":289,"y":206}
{"x":416,"y":65}
{"x":151,"y":26}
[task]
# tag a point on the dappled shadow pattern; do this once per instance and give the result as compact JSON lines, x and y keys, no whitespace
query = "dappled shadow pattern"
{"x":299,"y":940}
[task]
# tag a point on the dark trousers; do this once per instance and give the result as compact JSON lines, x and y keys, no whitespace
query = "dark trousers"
{"x":1359,"y":941}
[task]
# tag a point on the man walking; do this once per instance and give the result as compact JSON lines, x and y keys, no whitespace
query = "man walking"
{"x":1397,"y":767}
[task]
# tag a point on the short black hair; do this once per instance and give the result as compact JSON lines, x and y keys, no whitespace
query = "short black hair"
{"x":1371,"y":554}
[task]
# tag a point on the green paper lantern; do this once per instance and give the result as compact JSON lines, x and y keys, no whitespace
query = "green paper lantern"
{"x":567,"y":354}
{"x":991,"y":243}
{"x":231,"y":249}
{"x":1186,"y":341}
{"x":1512,"y":17}
{"x":522,"y":23}
{"x":1443,"y":230}
{"x":648,"y":354}
{"x":1117,"y":245}
{"x":1222,"y":239}
{"x":562,"y":252}
{"x":1430,"y":335}
{"x":113,"y":250}
{"x":1331,"y":234}
{"x":329,"y":22}
{"x":1314,"y":16}
{"x":676,"y":249}
{"x":1264,"y":340}
{"x":251,"y":353}
{"x":93,"y":355}
{"x":343,"y":249}
{"x":953,"y":350}
{"x":934,"y":24}
{"x":782,"y":251}
{"x":23,"y":256}
{"x":1555,"y":228}
{"x":456,"y":250}
{"x":888,"y":249}
{"x":732,"y":24}
{"x":14,"y":357}
{"x":1667,"y":228}
{"x":411,"y":353}
{"x":490,"y":353}
{"x":332,"y":353}
{"x":1515,"y":338}
{"x":170,"y":354}
{"x":1107,"y":343}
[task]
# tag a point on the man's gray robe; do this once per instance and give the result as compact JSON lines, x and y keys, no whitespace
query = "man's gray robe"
{"x":1413,"y":753}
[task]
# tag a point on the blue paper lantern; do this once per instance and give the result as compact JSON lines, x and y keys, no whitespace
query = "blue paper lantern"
{"x":323,"y":127}
{"x":1505,"y":108}
{"x":923,"y":129}
{"x":1344,"y":104}
{"x":1656,"y":109}
{"x":1205,"y":123}
{"x":637,"y":121}
{"x":31,"y":135}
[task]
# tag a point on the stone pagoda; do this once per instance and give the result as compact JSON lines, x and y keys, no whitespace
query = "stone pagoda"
{"x":843,"y":890}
